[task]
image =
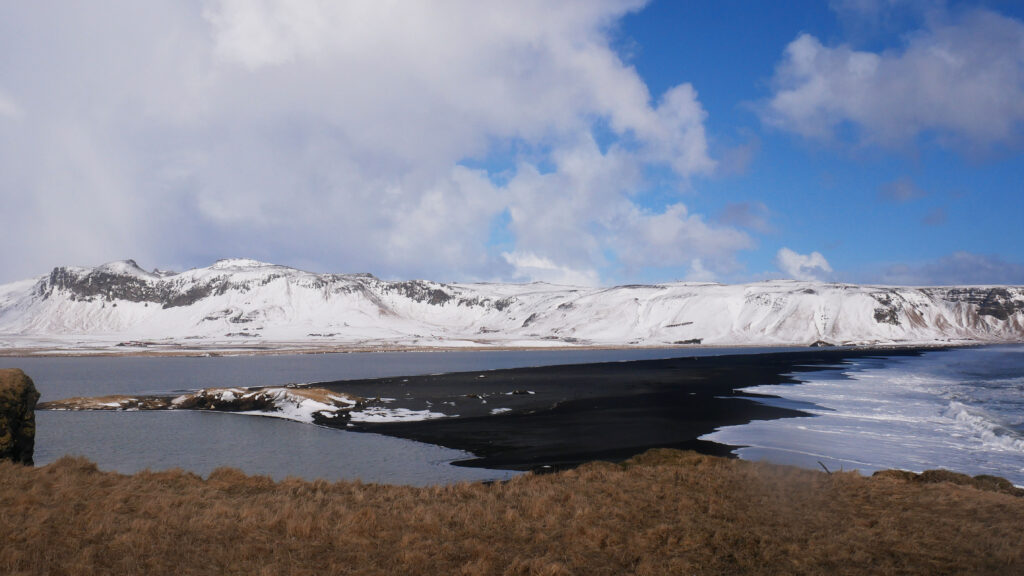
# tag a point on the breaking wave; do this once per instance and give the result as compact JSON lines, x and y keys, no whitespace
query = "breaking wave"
{"x":958,"y":409}
{"x":992,"y":433}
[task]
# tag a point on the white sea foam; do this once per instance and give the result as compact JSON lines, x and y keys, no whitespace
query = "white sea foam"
{"x":962,"y":410}
{"x":994,"y":435}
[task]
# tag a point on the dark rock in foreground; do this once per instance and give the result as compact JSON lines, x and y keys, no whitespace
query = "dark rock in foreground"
{"x":18,"y":397}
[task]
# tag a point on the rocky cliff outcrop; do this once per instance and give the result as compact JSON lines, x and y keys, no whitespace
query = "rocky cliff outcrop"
{"x":18,"y":397}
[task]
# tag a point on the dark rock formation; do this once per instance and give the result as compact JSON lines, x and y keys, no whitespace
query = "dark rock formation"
{"x":18,"y":397}
{"x":997,"y":302}
{"x":420,"y":291}
{"x":170,"y":291}
{"x":888,"y":312}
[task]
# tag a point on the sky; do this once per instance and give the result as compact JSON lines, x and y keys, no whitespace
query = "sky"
{"x":591,"y":142}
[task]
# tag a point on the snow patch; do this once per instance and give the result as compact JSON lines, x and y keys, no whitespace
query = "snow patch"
{"x":378,"y":414}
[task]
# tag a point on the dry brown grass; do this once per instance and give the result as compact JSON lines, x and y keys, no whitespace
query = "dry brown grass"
{"x":664,"y":512}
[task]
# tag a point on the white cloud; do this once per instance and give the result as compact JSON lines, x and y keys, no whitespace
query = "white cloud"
{"x":675,"y":237}
{"x":677,"y":136}
{"x":960,"y":78}
{"x":811,"y":266}
{"x":539,"y":269}
{"x":333,"y":134}
{"x":582,"y":212}
{"x":698,"y":273}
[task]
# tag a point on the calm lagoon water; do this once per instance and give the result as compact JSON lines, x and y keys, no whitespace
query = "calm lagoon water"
{"x":203,"y":441}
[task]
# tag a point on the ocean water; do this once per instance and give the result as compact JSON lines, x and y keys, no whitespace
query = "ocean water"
{"x":960,"y":409}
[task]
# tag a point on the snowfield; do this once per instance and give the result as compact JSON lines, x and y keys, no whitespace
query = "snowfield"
{"x":244,"y":304}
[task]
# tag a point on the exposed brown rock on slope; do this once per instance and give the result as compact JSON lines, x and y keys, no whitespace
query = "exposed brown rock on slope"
{"x":18,"y":397}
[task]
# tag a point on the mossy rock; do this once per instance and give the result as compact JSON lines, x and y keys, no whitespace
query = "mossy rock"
{"x":18,"y":397}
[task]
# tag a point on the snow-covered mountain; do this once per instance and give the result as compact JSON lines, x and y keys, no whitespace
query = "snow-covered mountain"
{"x":237,"y":303}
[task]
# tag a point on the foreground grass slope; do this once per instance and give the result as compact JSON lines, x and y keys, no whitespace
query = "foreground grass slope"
{"x":664,"y":512}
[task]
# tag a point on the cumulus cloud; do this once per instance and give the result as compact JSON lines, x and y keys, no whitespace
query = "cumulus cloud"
{"x":338,"y":135}
{"x":676,"y":237}
{"x":958,"y":268}
{"x":960,"y":78}
{"x":798,"y":266}
{"x":539,"y":269}
{"x":581,"y":215}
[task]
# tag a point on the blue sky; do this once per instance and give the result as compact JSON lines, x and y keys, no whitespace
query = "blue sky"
{"x":838,"y":197}
{"x":590,"y":142}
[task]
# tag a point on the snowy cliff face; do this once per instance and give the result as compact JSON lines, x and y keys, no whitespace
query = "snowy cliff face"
{"x":245,"y":301}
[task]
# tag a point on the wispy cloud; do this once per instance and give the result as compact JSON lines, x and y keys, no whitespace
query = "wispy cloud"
{"x":901,"y":190}
{"x":957,"y":268}
{"x":935,"y":217}
{"x":750,"y":215}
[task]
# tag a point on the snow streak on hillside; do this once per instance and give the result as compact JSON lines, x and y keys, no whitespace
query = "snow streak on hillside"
{"x":238,"y":303}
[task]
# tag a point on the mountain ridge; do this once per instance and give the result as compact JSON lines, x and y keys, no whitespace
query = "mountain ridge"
{"x":243,"y":301}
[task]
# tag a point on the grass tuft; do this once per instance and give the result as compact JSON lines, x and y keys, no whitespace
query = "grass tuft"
{"x":663,"y":512}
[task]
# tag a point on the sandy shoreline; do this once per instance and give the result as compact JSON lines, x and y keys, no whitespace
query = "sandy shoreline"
{"x":561,"y":416}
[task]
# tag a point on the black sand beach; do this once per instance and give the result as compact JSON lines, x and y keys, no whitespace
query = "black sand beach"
{"x":562,"y":416}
